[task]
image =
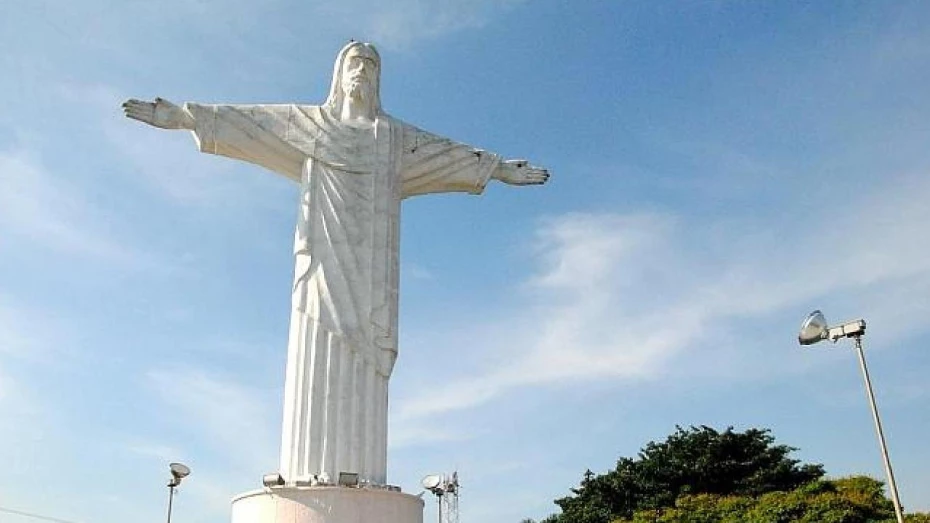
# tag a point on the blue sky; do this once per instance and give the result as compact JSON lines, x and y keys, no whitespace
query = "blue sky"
{"x":719,"y":170}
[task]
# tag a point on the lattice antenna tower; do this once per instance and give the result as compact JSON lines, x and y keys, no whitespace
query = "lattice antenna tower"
{"x":446,"y":489}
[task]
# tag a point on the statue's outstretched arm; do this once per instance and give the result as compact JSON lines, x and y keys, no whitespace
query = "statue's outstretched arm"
{"x":252,"y":133}
{"x":160,"y":113}
{"x":433,"y":164}
{"x":520,"y":172}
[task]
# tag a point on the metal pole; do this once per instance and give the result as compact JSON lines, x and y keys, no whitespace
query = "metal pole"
{"x":170,"y":499}
{"x":899,"y":514}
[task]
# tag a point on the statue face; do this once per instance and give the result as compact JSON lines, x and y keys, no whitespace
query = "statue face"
{"x":359,"y":71}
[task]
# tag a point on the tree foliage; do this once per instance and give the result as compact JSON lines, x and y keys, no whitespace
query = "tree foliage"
{"x":690,"y":462}
{"x":857,"y":499}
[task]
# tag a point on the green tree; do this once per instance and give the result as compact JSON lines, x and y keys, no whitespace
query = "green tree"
{"x":857,"y":499}
{"x":693,"y":461}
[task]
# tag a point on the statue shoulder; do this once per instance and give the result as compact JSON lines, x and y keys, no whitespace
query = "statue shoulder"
{"x":415,"y":137}
{"x":311,"y":111}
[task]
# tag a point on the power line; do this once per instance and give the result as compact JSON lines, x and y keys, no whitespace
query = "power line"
{"x":36,"y":516}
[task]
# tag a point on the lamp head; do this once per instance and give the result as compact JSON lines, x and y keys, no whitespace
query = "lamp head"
{"x":272,"y":480}
{"x":434,"y":483}
{"x":179,"y":470}
{"x":431,"y":482}
{"x":814,"y":329}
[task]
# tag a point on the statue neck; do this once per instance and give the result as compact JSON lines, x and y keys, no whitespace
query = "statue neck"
{"x":356,"y":111}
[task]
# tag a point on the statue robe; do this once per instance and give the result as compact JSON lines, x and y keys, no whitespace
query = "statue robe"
{"x":342,"y":342}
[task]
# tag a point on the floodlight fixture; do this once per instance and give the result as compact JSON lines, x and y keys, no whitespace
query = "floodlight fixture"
{"x":178,"y":471}
{"x":348,"y":479}
{"x":815,"y":329}
{"x":273,"y":480}
{"x":433,"y":483}
{"x":443,"y":486}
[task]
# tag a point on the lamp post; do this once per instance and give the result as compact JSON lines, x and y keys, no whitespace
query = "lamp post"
{"x":179,"y":471}
{"x":814,"y":329}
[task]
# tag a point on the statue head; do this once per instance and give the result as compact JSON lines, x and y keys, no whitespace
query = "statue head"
{"x":357,"y":72}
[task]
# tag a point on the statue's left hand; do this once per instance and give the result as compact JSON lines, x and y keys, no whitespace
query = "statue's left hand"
{"x":520,"y":172}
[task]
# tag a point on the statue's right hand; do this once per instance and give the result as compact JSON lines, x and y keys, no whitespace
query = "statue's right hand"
{"x":160,"y":113}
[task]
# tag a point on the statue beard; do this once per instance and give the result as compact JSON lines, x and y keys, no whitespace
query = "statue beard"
{"x":356,"y":88}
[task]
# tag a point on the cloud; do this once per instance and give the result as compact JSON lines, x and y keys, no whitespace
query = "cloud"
{"x":168,"y":162}
{"x":634,"y":297}
{"x":401,"y":23}
{"x":33,"y":335}
{"x":230,"y":434}
{"x":17,"y":331}
{"x":45,"y":209}
{"x":221,"y":412}
{"x":593,"y":264}
{"x":27,"y":434}
{"x":417,"y":272}
{"x":408,"y":434}
{"x":164,"y":453}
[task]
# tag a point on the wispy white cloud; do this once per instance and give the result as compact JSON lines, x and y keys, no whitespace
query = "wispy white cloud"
{"x":622,"y":296}
{"x":411,"y":433}
{"x":167,"y":162}
{"x":34,"y":335}
{"x":164,"y":453}
{"x":221,"y":411}
{"x":18,"y":331}
{"x":224,"y":419}
{"x":400,"y":24}
{"x":27,"y":435}
{"x":417,"y":272}
{"x":45,"y":209}
{"x":593,"y":264}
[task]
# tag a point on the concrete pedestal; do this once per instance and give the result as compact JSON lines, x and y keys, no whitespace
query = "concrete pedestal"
{"x":326,"y":505}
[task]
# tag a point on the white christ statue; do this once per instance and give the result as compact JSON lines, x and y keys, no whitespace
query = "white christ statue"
{"x":354,"y":163}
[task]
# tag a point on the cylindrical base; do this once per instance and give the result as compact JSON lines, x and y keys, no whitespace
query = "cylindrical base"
{"x":326,"y":505}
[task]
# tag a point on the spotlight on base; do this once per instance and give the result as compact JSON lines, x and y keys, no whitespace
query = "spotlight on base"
{"x":272,"y":480}
{"x":348,"y":479}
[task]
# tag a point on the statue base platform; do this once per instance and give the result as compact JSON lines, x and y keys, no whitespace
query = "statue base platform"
{"x":328,"y":504}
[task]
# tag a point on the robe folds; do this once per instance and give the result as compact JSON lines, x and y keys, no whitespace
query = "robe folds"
{"x":342,"y":342}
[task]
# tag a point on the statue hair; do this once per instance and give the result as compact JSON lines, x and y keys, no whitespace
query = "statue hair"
{"x":334,"y":100}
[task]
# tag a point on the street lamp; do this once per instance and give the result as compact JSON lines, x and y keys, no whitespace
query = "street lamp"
{"x":179,"y":471}
{"x":814,"y":329}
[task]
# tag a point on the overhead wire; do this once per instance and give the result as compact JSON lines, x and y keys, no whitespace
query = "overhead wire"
{"x":36,"y":516}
